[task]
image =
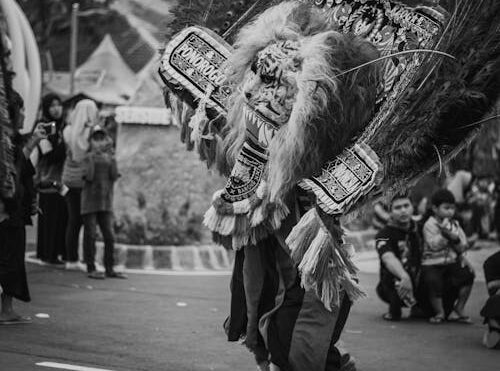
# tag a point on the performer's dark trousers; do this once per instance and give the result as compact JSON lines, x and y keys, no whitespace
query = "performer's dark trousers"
{"x":301,"y":333}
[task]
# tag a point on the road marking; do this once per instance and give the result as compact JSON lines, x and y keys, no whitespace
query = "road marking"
{"x":62,"y":366}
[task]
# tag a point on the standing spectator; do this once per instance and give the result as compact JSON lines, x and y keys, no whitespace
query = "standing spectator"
{"x":83,"y":118}
{"x":97,"y":202}
{"x":15,"y":214}
{"x":51,"y":154}
{"x":442,"y":260}
{"x":398,"y":245}
{"x":481,"y":201}
{"x":491,"y":310}
{"x":459,"y":183}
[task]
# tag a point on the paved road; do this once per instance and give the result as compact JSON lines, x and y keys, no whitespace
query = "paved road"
{"x":174,"y":323}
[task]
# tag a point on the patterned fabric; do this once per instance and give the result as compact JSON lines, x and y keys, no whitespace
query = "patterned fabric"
{"x":194,"y":59}
{"x":7,"y":168}
{"x":240,"y":210}
{"x":345,"y":180}
{"x":391,"y":28}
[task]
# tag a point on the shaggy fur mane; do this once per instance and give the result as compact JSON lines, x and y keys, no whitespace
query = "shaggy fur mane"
{"x":328,"y":113}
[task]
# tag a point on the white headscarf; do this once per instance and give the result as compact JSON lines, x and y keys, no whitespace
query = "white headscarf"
{"x":76,"y":135}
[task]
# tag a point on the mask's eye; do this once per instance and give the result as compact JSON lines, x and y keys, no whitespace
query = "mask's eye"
{"x":253,"y":67}
{"x":267,"y":79}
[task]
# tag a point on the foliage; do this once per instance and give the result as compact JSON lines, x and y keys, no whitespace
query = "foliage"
{"x":219,"y":14}
{"x":181,"y":228}
{"x":51,"y":23}
{"x":52,"y":16}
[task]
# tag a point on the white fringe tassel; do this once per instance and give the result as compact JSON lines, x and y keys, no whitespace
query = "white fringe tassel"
{"x":323,"y":262}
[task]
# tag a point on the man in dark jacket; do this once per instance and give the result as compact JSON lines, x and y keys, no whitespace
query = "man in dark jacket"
{"x":399,"y":248}
{"x":491,"y":309}
{"x":15,"y":213}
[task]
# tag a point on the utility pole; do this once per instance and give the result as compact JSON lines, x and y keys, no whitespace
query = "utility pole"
{"x":73,"y":46}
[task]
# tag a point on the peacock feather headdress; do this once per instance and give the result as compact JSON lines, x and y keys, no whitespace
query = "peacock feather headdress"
{"x":348,"y":99}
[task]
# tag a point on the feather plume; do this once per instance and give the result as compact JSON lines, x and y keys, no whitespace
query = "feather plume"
{"x":434,"y":115}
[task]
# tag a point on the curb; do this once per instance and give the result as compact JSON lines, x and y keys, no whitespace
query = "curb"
{"x":198,"y":257}
{"x":158,"y":259}
{"x":194,"y":259}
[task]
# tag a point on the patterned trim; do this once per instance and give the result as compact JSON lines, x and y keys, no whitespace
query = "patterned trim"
{"x":391,"y":27}
{"x":195,"y":59}
{"x":343,"y":181}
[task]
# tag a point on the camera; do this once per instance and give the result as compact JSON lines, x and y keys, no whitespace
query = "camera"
{"x":49,"y":127}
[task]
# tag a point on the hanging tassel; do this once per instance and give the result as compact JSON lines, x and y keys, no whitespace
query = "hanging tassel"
{"x":197,"y":124}
{"x":302,"y":235}
{"x":278,"y":214}
{"x":222,"y":224}
{"x":199,"y":120}
{"x":239,"y":241}
{"x":324,"y":262}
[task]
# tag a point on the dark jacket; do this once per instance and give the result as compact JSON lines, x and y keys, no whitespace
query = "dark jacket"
{"x":405,"y":244}
{"x":100,"y":175}
{"x":22,"y":206}
{"x":50,"y":165}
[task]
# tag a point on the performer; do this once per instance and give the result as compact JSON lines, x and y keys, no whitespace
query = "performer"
{"x":319,"y":110}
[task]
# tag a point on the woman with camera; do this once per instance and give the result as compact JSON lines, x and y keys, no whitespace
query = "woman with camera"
{"x":51,"y":153}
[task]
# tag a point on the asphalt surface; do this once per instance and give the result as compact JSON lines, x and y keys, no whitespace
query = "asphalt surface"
{"x":175,"y":323}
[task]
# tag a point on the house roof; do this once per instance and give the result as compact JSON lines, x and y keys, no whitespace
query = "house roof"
{"x":104,"y":76}
{"x":149,"y":89}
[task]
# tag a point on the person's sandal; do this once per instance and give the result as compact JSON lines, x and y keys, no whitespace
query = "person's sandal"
{"x":96,"y":275}
{"x":436,"y":320}
{"x":389,"y":317}
{"x":118,"y":275}
{"x":19,"y":320}
{"x":457,"y":318}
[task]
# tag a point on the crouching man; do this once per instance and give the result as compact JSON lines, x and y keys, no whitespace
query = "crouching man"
{"x":399,"y":247}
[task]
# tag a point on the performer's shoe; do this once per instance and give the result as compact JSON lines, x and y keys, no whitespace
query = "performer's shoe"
{"x":114,"y":274}
{"x":347,"y":363}
{"x":390,"y":317}
{"x":96,"y":275}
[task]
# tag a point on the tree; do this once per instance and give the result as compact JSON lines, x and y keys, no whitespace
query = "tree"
{"x":218,"y":15}
{"x":51,"y":16}
{"x":50,"y":20}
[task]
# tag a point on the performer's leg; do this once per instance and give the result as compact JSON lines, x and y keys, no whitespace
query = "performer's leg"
{"x":335,"y":360}
{"x":253,"y":280}
{"x":235,"y":325}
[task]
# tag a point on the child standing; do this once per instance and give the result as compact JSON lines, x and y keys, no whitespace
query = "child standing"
{"x":442,"y":262}
{"x":97,"y":202}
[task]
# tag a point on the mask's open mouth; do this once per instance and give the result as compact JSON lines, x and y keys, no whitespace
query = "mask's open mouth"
{"x":252,"y":115}
{"x":259,"y":126}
